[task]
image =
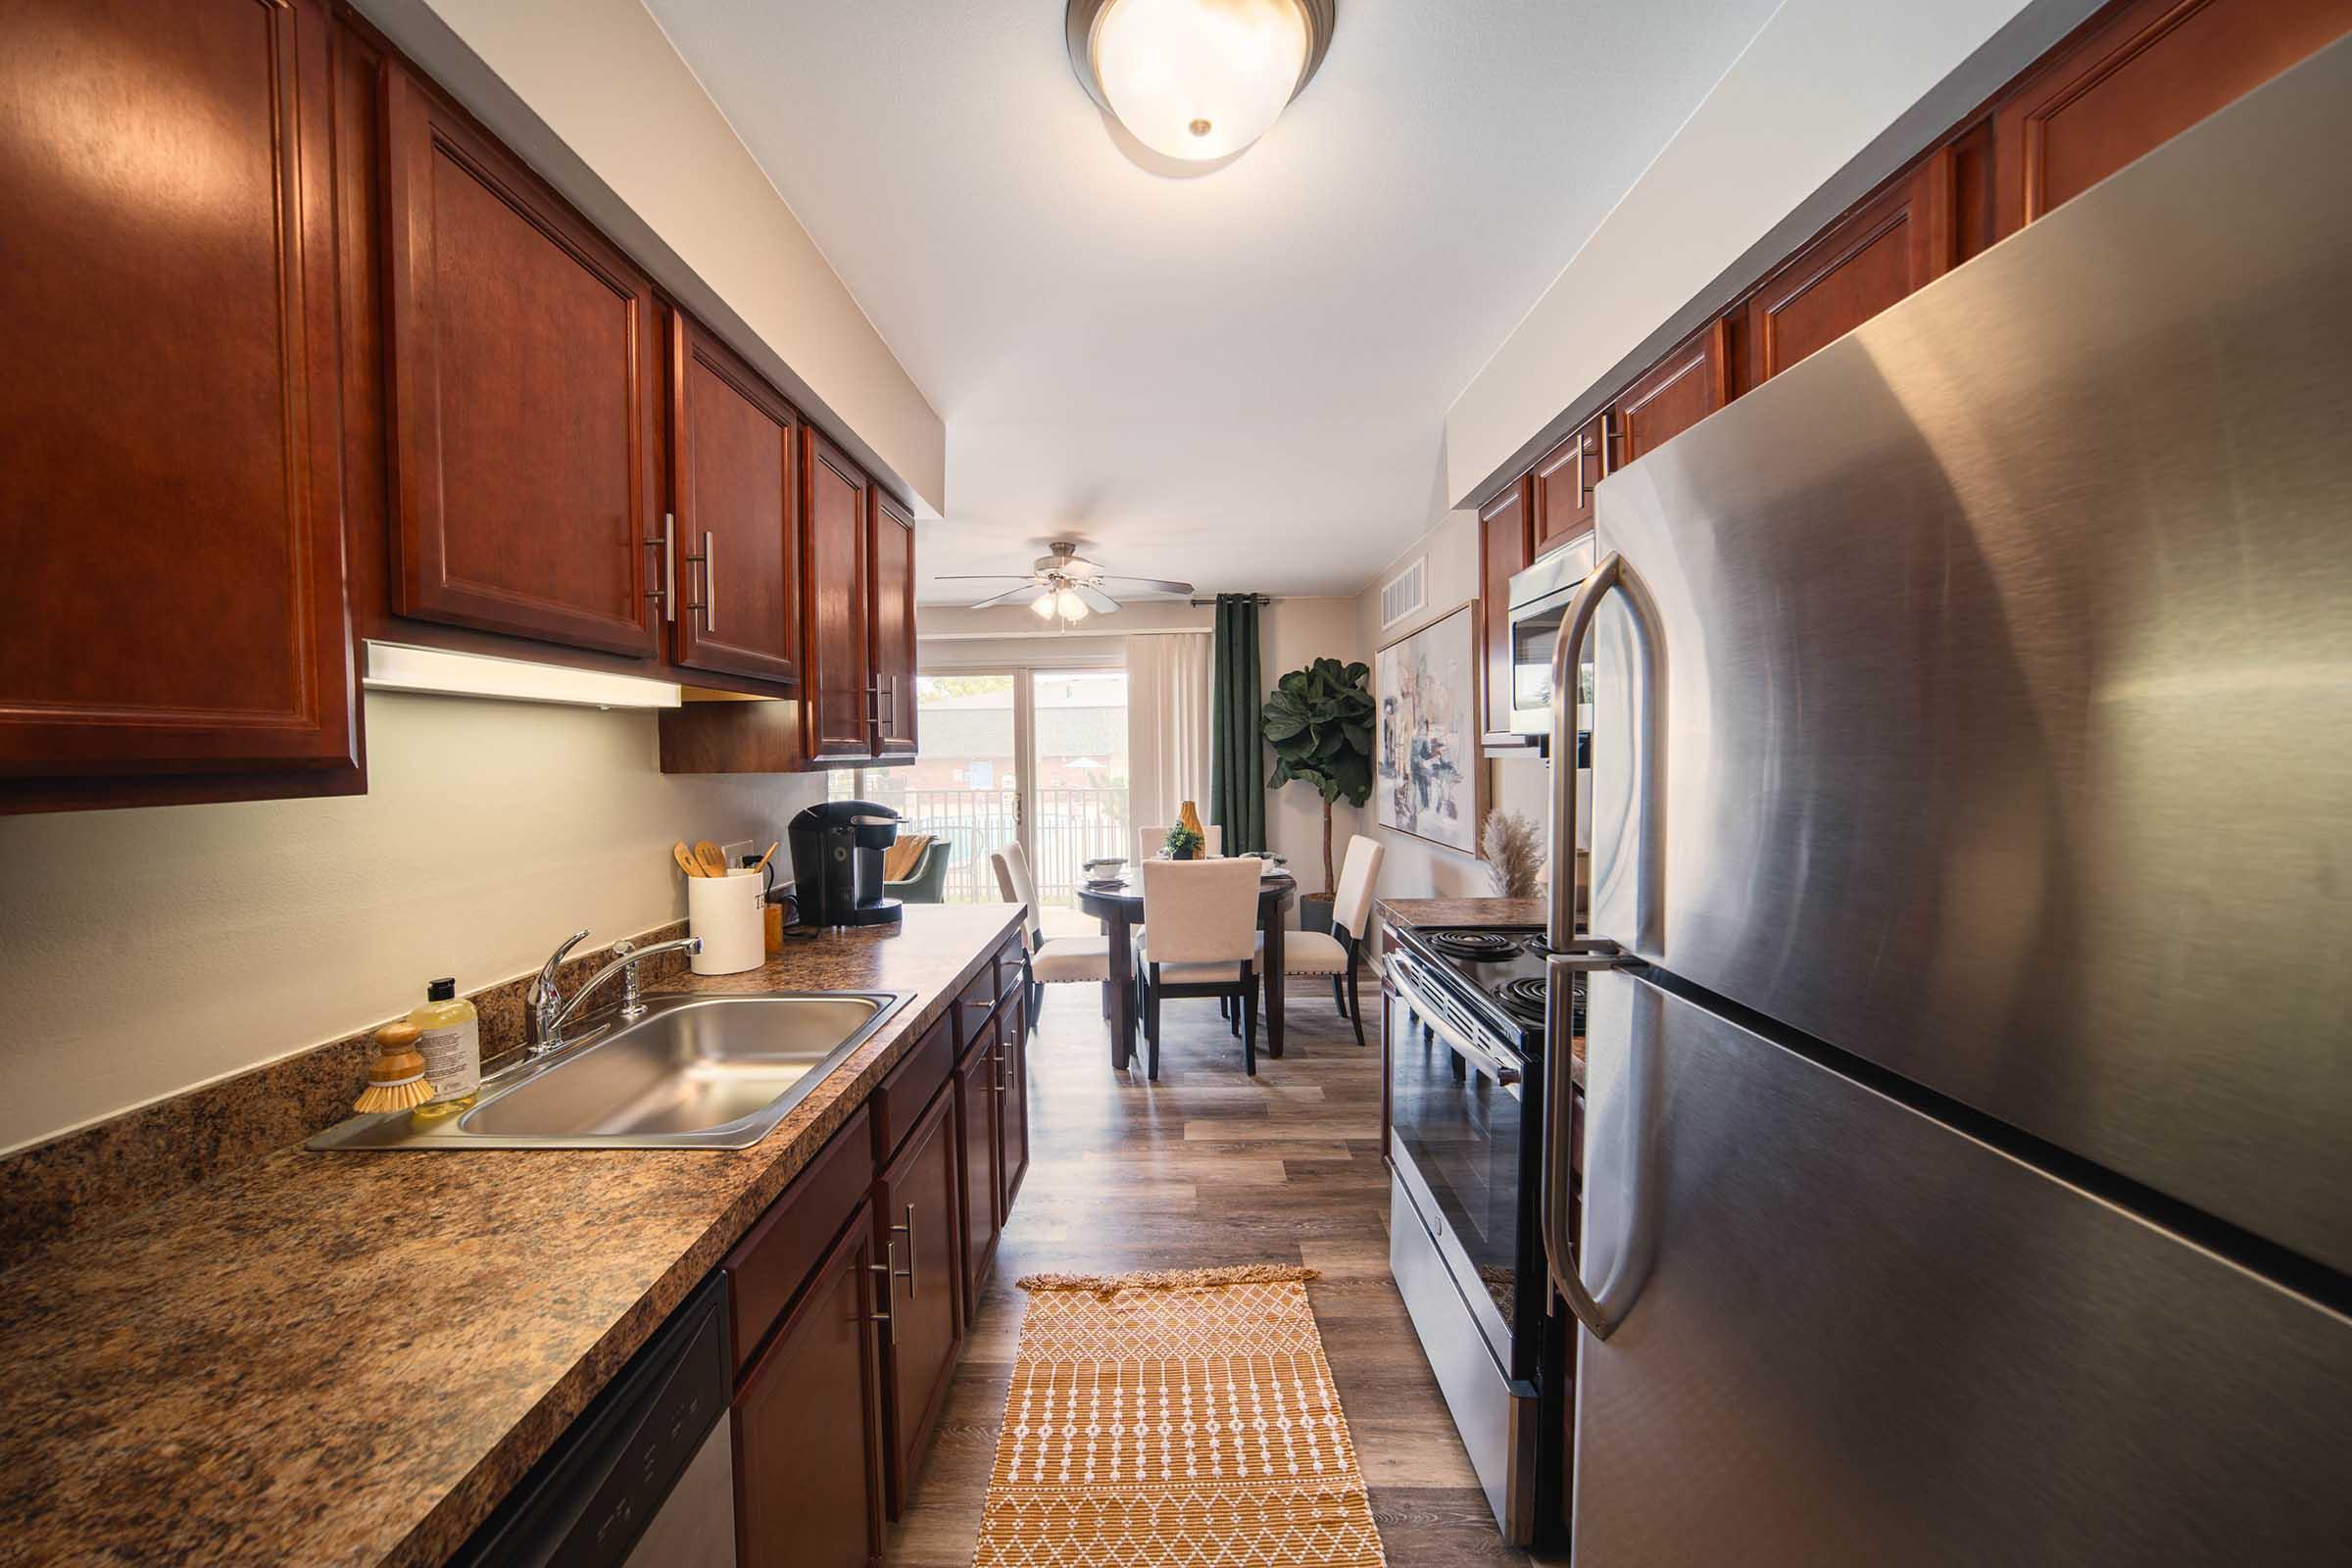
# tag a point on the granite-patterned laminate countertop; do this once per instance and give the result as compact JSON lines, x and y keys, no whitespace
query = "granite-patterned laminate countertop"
{"x":349,"y":1358}
{"x":1462,"y":911}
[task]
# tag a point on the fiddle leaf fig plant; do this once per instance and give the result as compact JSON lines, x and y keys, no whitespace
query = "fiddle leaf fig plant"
{"x":1319,"y":721}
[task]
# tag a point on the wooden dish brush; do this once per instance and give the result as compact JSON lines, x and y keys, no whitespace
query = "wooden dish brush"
{"x":396,"y":1078}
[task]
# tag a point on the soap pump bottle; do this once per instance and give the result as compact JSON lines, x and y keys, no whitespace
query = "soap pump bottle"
{"x":449,"y":1038}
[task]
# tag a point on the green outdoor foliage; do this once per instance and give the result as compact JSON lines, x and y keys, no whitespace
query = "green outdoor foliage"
{"x":1319,"y":721}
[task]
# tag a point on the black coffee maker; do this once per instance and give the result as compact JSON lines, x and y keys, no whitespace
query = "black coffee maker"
{"x":837,"y":863}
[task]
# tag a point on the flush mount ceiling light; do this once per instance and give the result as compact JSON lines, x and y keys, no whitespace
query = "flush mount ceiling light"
{"x":1196,"y":81}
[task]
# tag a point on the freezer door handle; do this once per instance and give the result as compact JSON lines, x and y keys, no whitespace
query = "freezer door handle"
{"x":1559,"y":1122}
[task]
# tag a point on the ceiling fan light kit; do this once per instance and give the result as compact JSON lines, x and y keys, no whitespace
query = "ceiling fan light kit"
{"x":1196,"y":81}
{"x":1065,"y":586}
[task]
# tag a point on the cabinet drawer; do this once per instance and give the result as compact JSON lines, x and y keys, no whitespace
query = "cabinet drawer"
{"x":768,"y":1266}
{"x":973,"y":1004}
{"x":900,"y":1101}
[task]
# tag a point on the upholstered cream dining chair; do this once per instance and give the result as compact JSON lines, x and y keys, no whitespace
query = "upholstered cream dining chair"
{"x":1201,"y":942}
{"x":1047,"y":961}
{"x":1341,"y":954}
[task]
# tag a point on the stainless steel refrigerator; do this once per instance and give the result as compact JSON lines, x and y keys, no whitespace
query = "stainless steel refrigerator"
{"x":1968,"y":1167}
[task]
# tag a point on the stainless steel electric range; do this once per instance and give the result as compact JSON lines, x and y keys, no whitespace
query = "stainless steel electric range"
{"x":1468,"y":1068}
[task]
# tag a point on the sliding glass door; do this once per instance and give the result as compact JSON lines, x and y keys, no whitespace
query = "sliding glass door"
{"x":1034,"y":755}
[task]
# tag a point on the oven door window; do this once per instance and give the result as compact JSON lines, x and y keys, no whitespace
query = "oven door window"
{"x":1462,"y":1133}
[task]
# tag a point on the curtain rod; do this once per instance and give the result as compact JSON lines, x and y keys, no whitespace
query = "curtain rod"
{"x":1199,"y":603}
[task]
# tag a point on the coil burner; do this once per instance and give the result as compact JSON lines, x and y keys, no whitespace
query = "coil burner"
{"x":1478,"y":947}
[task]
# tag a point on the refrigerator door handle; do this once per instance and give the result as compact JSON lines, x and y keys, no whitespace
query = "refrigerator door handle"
{"x":1560,"y":1122}
{"x":1575,"y":623}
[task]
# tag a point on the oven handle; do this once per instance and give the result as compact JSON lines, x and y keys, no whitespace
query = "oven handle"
{"x":1506,"y":1075}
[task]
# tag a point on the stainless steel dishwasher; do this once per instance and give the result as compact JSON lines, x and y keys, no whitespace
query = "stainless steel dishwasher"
{"x":646,"y":1476}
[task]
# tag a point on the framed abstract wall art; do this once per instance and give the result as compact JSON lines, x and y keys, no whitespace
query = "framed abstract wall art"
{"x":1428,"y":772}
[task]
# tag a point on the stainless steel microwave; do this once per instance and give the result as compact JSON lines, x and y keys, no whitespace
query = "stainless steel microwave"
{"x":1538,"y":598}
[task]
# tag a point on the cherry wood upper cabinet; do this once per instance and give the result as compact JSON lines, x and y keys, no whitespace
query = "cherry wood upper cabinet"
{"x":917,"y":1221}
{"x":807,"y":1419}
{"x":2135,"y":76}
{"x":1564,"y":483}
{"x":523,"y":374}
{"x":732,"y":560}
{"x":1504,"y":547}
{"x":1682,"y":389}
{"x":1897,"y":242}
{"x":170,"y":475}
{"x":835,"y":675}
{"x":890,"y":562}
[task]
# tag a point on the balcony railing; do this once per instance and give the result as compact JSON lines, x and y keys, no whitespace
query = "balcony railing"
{"x":1072,"y":826}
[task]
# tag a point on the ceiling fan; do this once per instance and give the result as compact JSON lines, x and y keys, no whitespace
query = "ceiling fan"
{"x":1067,"y":585}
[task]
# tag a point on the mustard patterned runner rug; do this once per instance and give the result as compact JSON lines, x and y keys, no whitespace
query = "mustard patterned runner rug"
{"x":1174,"y":1419}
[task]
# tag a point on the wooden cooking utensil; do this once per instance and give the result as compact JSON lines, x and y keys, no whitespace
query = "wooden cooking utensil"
{"x":714,"y":858}
{"x":687,"y":864}
{"x":765,"y":858}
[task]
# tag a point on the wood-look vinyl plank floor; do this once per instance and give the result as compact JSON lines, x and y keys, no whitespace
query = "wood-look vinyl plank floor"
{"x":1209,"y":1167}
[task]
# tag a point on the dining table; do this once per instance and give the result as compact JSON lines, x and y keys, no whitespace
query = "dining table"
{"x":1117,"y":901}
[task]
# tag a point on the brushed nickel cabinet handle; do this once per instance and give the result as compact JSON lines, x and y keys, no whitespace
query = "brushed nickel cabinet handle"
{"x":887,"y":1269}
{"x":707,"y":601}
{"x":667,"y":592}
{"x":914,"y":1288}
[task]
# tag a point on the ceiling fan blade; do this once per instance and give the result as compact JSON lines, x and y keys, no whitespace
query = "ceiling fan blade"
{"x":1096,"y":599}
{"x":1150,"y":585}
{"x":1027,"y":590}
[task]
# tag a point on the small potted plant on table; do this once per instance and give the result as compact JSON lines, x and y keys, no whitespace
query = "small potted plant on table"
{"x":1182,"y":843}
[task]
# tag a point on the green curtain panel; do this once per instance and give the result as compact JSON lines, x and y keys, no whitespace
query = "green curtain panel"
{"x":1236,"y":791}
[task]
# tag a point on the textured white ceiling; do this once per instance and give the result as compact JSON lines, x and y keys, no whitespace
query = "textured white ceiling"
{"x":1242,"y":378}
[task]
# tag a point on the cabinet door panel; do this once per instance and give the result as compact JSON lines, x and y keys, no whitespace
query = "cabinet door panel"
{"x":1502,"y":549}
{"x":916,"y":1210}
{"x":2137,"y":79}
{"x":522,"y":387}
{"x":170,"y":455}
{"x":1896,"y":243}
{"x":1686,"y":387}
{"x":1013,"y":1100}
{"x":1564,"y":484}
{"x":976,"y":1135}
{"x":835,"y":675}
{"x":808,"y":1426}
{"x":890,"y":557}
{"x":734,"y":447}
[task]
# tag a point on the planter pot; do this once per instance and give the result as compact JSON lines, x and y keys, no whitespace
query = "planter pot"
{"x":1180,"y":855}
{"x":1314,"y":913}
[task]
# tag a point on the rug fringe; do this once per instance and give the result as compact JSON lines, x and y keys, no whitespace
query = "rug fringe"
{"x":1171,"y":1279}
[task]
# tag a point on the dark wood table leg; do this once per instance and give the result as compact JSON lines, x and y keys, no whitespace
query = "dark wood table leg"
{"x":1122,"y":1000}
{"x":1273,"y":982}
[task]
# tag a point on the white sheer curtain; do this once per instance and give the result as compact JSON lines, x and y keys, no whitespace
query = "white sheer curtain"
{"x":1167,"y":724}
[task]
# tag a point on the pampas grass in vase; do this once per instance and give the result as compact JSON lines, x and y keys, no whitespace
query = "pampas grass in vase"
{"x":1513,"y":848}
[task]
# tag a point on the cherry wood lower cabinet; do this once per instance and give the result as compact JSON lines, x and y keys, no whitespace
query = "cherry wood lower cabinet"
{"x":918,"y":1214}
{"x":1013,"y":1099}
{"x":170,"y":480}
{"x":808,"y":1427}
{"x":977,"y":1102}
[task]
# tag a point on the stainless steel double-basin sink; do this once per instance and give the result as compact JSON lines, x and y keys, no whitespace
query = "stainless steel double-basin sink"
{"x":706,"y":1071}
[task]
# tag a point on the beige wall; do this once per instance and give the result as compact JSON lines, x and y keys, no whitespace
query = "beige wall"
{"x":145,"y":952}
{"x":1825,"y":82}
{"x":640,"y":147}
